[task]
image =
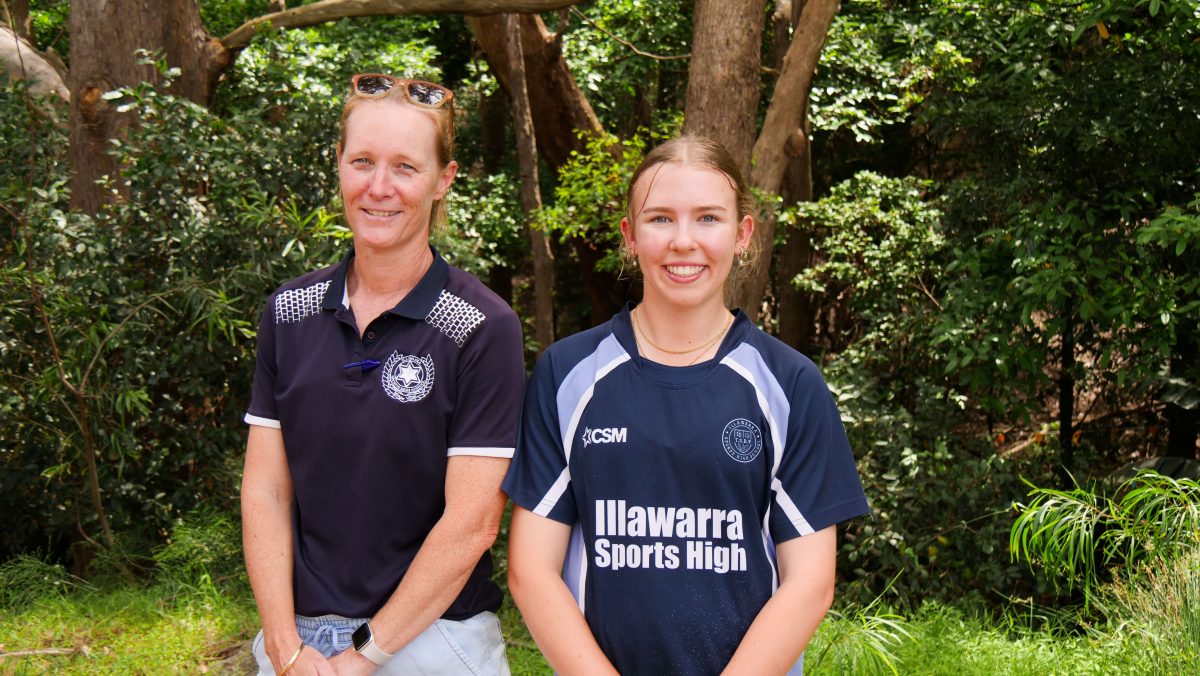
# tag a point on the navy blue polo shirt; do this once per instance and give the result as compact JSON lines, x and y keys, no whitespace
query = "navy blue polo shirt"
{"x":678,"y":482}
{"x":369,"y":423}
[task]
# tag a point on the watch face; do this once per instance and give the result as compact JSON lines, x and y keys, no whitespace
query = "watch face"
{"x":361,"y":636}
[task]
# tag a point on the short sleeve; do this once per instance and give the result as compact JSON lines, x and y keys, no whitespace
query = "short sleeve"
{"x":263,"y":410}
{"x":817,"y":483}
{"x":490,"y":380}
{"x":539,"y":478}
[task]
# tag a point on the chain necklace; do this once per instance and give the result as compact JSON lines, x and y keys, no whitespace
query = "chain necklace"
{"x":638,"y":331}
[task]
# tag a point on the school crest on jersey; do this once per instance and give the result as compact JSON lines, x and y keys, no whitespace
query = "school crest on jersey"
{"x":407,"y":378}
{"x":742,"y":440}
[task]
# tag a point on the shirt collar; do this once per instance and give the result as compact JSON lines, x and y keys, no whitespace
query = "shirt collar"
{"x":415,"y":305}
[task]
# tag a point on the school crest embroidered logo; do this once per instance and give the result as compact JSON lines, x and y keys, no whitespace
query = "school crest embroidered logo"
{"x":407,"y":378}
{"x":742,"y":440}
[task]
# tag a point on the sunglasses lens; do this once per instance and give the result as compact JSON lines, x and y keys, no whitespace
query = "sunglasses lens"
{"x":426,"y":94}
{"x":374,"y":85}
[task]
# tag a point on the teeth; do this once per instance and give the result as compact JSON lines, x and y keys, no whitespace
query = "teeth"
{"x":382,"y":214}
{"x":684,"y":270}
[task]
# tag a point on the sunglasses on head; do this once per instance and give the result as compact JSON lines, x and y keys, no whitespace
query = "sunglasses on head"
{"x":417,"y":92}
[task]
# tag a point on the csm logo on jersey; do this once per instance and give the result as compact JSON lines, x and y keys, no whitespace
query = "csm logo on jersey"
{"x":604,"y":435}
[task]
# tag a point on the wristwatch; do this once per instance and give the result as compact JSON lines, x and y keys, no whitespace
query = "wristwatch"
{"x":364,"y":644}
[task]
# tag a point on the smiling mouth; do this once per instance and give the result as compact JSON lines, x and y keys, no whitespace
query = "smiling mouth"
{"x":381,"y":214}
{"x":685,"y":270}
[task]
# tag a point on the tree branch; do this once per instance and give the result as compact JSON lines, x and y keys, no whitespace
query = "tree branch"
{"x":628,"y":44}
{"x":332,"y":10}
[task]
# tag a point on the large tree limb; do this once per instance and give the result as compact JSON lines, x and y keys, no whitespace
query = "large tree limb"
{"x":559,"y":108}
{"x":332,"y":10}
{"x":723,"y":74}
{"x":23,"y":62}
{"x":781,"y":138}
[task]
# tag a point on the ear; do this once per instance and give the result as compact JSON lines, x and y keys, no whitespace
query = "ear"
{"x":446,"y":179}
{"x":630,"y":235}
{"x":745,"y":232}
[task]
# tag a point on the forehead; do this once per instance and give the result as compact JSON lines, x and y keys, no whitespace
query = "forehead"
{"x":390,"y":122}
{"x":676,"y":182}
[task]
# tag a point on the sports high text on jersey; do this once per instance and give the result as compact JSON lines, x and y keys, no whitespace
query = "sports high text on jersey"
{"x":678,"y":482}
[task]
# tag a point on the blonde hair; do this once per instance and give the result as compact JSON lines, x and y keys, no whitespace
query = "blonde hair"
{"x":443,"y":119}
{"x":699,"y":151}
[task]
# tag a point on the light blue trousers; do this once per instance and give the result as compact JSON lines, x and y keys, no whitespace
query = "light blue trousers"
{"x":447,"y":648}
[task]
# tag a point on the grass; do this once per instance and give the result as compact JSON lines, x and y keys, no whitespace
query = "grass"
{"x":157,"y":630}
{"x":126,"y":631}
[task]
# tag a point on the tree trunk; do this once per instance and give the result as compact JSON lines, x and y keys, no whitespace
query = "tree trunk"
{"x":531,"y":197}
{"x":105,"y":34}
{"x":778,"y":141}
{"x":1182,"y":427}
{"x":723,"y":74}
{"x":558,"y":106}
{"x":560,"y":111}
{"x":17,"y":17}
{"x":795,"y":309}
{"x":1066,"y":391}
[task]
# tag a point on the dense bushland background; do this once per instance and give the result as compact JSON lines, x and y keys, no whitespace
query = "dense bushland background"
{"x":998,"y":272}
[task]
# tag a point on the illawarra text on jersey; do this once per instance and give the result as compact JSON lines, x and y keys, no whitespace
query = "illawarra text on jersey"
{"x":614,"y":518}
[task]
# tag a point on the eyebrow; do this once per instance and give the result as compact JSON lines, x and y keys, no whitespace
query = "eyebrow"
{"x":705,"y":207}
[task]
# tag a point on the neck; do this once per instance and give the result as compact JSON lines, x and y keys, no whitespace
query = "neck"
{"x":388,"y":273}
{"x":680,"y":328}
{"x":680,"y":336}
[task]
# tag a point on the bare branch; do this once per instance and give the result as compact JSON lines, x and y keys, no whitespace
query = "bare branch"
{"x":628,"y":44}
{"x":332,"y":10}
{"x":44,"y":651}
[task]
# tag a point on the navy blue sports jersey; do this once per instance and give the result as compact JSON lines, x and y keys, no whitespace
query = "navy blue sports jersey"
{"x":678,"y":482}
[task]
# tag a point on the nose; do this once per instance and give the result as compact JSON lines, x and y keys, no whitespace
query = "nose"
{"x":683,"y":237}
{"x":380,"y":186}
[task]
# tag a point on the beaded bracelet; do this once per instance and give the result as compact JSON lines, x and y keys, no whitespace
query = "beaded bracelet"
{"x":295,"y":656}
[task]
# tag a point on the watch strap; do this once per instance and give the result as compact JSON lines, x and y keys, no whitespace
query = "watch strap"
{"x":371,"y":650}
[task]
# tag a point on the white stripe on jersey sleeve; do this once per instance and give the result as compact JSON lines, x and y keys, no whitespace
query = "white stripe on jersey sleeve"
{"x":572,"y":398}
{"x":749,"y":364}
{"x":261,"y":422}
{"x":486,"y":452}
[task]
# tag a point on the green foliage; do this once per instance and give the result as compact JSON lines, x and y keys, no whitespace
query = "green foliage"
{"x":135,"y":324}
{"x":203,"y":553}
{"x":628,"y":90}
{"x":1073,"y":535}
{"x":485,"y":224}
{"x":856,"y":640}
{"x":880,"y":243}
{"x":1054,"y":175}
{"x":26,"y":579}
{"x":589,"y":200}
{"x":1157,"y":610}
{"x":877,"y":66}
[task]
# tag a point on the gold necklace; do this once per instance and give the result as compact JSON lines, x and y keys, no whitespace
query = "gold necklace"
{"x":637,"y":327}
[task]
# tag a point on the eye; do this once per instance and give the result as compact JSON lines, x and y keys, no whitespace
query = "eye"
{"x":406,"y":167}
{"x":710,"y":218}
{"x":659,"y":219}
{"x":361,"y":162}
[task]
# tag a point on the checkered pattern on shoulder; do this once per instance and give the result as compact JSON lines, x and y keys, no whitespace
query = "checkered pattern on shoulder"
{"x":454,"y":317}
{"x":296,"y":304}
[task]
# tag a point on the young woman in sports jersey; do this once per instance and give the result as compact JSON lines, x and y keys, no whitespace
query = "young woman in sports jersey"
{"x":679,"y":474}
{"x":383,"y":414}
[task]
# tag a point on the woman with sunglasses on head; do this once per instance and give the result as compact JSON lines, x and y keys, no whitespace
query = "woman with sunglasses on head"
{"x":382,"y":420}
{"x":679,"y":473}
